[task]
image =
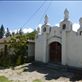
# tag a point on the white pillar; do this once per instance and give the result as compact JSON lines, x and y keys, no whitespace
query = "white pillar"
{"x":64,"y":55}
{"x":45,"y":55}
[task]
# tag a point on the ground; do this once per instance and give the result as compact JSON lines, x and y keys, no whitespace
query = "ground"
{"x":39,"y":73}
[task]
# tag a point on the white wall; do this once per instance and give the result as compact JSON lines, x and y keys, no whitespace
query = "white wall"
{"x":40,"y":48}
{"x":54,"y":36}
{"x":71,"y":46}
{"x":74,"y":49}
{"x":64,"y":48}
{"x":31,"y":49}
{"x":2,"y":46}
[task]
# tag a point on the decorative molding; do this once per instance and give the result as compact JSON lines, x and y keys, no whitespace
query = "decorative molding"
{"x":55,"y":36}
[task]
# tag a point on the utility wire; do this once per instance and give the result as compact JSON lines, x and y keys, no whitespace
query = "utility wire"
{"x":33,"y":14}
{"x":44,"y":12}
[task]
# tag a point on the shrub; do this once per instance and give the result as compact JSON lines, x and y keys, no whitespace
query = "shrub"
{"x":4,"y":79}
{"x":37,"y":80}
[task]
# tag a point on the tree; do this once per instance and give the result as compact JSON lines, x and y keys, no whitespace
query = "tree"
{"x":8,"y":33}
{"x":2,"y":31}
{"x":31,"y":35}
{"x":20,"y":31}
{"x":16,"y":52}
{"x":19,"y":45}
{"x":17,"y":32}
{"x":13,"y":33}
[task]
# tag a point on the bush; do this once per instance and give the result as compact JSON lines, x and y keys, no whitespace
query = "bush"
{"x":16,"y":51}
{"x":4,"y":79}
{"x":37,"y":80}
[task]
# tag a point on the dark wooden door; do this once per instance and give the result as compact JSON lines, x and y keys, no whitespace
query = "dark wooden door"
{"x":55,"y":52}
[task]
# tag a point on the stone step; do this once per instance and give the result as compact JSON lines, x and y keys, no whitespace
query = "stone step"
{"x":53,"y":66}
{"x":58,"y":67}
{"x":75,"y":70}
{"x":40,"y":64}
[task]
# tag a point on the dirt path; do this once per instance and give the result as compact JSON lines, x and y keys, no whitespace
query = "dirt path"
{"x":29,"y":72}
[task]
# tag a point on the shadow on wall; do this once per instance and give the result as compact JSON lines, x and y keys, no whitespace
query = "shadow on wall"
{"x":53,"y":73}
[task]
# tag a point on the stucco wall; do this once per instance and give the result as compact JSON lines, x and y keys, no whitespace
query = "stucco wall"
{"x":40,"y":48}
{"x":71,"y":46}
{"x":74,"y":49}
{"x":31,"y":49}
{"x":1,"y":46}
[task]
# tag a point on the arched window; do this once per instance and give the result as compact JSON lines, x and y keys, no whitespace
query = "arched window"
{"x":44,"y":29}
{"x":64,"y":26}
{"x":80,"y":32}
{"x":50,"y":29}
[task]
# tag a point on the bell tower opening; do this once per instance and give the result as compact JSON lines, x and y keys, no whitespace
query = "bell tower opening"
{"x":44,"y":29}
{"x":64,"y":26}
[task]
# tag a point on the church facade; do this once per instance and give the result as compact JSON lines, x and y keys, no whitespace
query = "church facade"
{"x":59,"y":44}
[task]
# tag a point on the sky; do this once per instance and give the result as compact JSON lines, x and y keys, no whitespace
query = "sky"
{"x":28,"y":15}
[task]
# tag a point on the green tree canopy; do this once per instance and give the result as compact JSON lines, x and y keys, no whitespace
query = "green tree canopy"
{"x":2,"y":31}
{"x":8,"y":33}
{"x":20,"y":31}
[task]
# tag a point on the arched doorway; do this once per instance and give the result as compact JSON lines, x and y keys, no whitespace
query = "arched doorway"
{"x":55,"y":52}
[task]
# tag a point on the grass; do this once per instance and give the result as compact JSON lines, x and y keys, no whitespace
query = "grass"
{"x":37,"y":80}
{"x":4,"y":79}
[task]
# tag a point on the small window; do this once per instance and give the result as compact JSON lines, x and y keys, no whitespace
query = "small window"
{"x":80,"y":32}
{"x":44,"y":29}
{"x":64,"y":26}
{"x":50,"y":29}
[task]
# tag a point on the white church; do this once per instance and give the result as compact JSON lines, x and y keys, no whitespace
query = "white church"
{"x":60,"y":44}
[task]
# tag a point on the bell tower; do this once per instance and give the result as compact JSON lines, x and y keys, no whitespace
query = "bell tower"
{"x":66,"y":14}
{"x":80,"y":22}
{"x":45,"y":27}
{"x":66,"y":25}
{"x":46,"y":19}
{"x":80,"y":29}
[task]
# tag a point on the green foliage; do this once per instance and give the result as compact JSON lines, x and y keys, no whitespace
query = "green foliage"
{"x":20,"y":32}
{"x":4,"y":57}
{"x":7,"y":33}
{"x":2,"y":31}
{"x":31,"y":35}
{"x":13,"y":33}
{"x":18,"y":46}
{"x":37,"y":80}
{"x":18,"y":60}
{"x":4,"y":79}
